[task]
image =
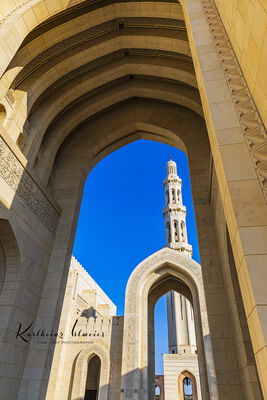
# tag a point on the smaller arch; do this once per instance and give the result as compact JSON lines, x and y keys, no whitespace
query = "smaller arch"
{"x":161,"y":272}
{"x":157,"y":392}
{"x":182,"y":378}
{"x":81,"y":368}
{"x":10,"y":259}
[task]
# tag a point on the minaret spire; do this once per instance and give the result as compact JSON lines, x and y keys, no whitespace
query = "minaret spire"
{"x":175,"y":212}
{"x":181,"y":333}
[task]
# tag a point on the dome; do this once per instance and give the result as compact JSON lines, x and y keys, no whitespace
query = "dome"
{"x":171,"y":163}
{"x":171,"y":167}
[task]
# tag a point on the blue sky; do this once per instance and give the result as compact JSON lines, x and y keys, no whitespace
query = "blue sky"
{"x":121,"y":222}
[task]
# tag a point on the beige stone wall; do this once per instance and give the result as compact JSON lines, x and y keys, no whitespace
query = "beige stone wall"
{"x":246,"y":24}
{"x":42,"y":179}
{"x":100,"y":333}
{"x":236,"y":346}
{"x":174,"y":365}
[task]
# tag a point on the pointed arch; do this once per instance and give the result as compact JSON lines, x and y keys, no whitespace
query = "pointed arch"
{"x":80,"y":371}
{"x":163,"y":271}
{"x":182,"y":376}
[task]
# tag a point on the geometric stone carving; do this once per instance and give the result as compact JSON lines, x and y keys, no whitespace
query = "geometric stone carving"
{"x":24,"y":186}
{"x":250,"y":121}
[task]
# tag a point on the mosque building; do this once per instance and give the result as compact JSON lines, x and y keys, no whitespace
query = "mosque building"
{"x":89,"y":324}
{"x":80,"y":79}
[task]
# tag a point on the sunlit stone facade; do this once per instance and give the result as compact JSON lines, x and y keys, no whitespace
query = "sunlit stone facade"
{"x":88,"y":327}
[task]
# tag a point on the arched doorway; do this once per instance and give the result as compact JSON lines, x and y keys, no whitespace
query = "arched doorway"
{"x":91,"y":374}
{"x":187,"y":388}
{"x":181,"y":352}
{"x":163,"y":271}
{"x":92,"y":380}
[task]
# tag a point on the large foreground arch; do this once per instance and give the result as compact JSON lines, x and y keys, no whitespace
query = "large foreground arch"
{"x":66,"y":65}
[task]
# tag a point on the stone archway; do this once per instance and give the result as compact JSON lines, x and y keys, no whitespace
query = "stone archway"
{"x":47,"y":120}
{"x":163,"y":271}
{"x":80,"y":372}
{"x":181,"y":377}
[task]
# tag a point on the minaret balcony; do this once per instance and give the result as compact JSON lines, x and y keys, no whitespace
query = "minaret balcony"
{"x":182,"y":247}
{"x":174,"y":207}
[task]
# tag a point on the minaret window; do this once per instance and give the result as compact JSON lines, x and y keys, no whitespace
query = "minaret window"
{"x":173,"y":195}
{"x":178,"y":195}
{"x":176,"y":232}
{"x":183,"y":231}
{"x":167,"y":197}
{"x":168,"y":231}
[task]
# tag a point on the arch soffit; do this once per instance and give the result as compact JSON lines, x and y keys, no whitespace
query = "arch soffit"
{"x":80,"y":55}
{"x":53,"y":103}
{"x":83,"y":42}
{"x":129,"y":134}
{"x":46,"y":17}
{"x":169,"y":86}
{"x":160,"y":45}
{"x":86,"y":80}
{"x":145,"y":119}
{"x":15,"y":234}
{"x":73,"y":118}
{"x":90,"y":93}
{"x":116,"y":10}
{"x":14,"y":253}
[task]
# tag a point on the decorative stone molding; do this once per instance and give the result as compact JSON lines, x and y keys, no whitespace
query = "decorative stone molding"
{"x":90,"y":34}
{"x":26,"y":189}
{"x":250,"y":121}
{"x":163,"y":256}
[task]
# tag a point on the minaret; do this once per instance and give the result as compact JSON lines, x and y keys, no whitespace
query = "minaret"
{"x":181,"y":331}
{"x":175,"y":212}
